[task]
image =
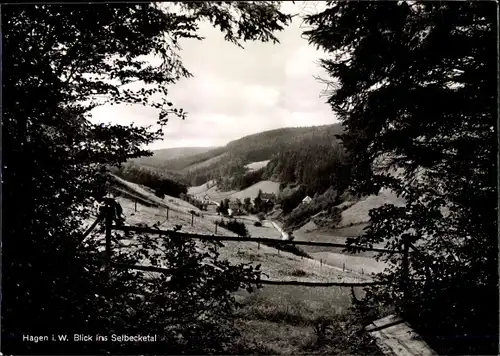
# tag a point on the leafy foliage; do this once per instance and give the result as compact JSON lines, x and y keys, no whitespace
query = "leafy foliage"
{"x":414,"y":85}
{"x":59,"y":62}
{"x":192,"y":303}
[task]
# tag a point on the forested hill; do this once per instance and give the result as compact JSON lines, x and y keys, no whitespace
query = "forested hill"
{"x":221,"y":163}
{"x":264,"y":145}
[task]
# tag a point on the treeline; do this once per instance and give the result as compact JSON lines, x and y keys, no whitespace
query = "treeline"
{"x":229,"y":172}
{"x":194,"y":201}
{"x":237,"y":227}
{"x":320,"y":170}
{"x":314,"y":159}
{"x":317,"y":167}
{"x":163,"y":183}
{"x":325,"y":203}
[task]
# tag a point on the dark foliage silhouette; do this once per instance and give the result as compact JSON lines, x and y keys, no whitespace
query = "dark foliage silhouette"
{"x":59,"y":62}
{"x":414,"y":85}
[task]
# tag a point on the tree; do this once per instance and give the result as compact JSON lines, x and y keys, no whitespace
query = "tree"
{"x":59,"y":62}
{"x":414,"y":85}
{"x":257,"y":203}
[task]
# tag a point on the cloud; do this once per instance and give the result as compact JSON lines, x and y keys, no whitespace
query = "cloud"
{"x":237,"y":92}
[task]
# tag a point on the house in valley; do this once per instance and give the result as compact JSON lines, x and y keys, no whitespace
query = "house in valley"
{"x":268,"y":197}
{"x":306,"y":200}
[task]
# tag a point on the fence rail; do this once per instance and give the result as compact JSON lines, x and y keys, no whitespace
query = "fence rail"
{"x":261,"y":281}
{"x":108,"y":217}
{"x":245,"y":239}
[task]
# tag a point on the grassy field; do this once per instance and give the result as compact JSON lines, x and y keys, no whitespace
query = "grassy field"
{"x":358,"y":213}
{"x":266,"y":186}
{"x":146,"y":193}
{"x":214,"y":193}
{"x":283,"y":317}
{"x":275,"y":319}
{"x":257,"y":165}
{"x":207,"y":163}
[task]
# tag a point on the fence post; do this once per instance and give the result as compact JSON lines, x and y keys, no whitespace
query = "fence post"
{"x":405,"y":265}
{"x":109,"y":223}
{"x":343,"y":266}
{"x":258,"y":245}
{"x":192,"y":219}
{"x":216,"y":227}
{"x":167,"y":212}
{"x":135,"y":205}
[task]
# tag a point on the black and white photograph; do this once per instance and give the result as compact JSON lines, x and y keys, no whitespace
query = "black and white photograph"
{"x":250,"y":178}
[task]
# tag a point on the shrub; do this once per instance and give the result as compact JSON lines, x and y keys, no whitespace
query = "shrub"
{"x":159,"y":194}
{"x":261,"y":216}
{"x":237,"y":227}
{"x":257,"y":223}
{"x":298,"y":273}
{"x":300,"y":215}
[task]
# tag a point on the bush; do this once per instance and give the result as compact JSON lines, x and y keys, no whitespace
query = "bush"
{"x":159,"y":194}
{"x":261,"y":216}
{"x":290,"y":198}
{"x":257,"y":223}
{"x":300,"y":215}
{"x":237,"y":227}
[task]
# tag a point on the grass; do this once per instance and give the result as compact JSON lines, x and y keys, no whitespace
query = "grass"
{"x":286,"y":319}
{"x":275,"y":319}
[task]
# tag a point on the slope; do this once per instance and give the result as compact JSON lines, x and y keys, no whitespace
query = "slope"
{"x":280,"y":317}
{"x":169,"y":154}
{"x":266,"y":186}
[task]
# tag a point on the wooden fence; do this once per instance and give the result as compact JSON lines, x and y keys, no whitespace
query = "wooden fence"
{"x":108,"y":217}
{"x":385,"y":344}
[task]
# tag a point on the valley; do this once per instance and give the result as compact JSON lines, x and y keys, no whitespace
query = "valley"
{"x":289,"y":311}
{"x":281,"y":198}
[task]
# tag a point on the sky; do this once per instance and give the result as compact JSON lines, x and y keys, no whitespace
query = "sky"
{"x":236,"y":92}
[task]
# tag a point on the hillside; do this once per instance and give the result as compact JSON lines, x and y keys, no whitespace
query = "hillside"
{"x":227,"y":164}
{"x":292,"y":163}
{"x":266,"y":186}
{"x":257,"y":165}
{"x":289,"y":311}
{"x":171,"y":154}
